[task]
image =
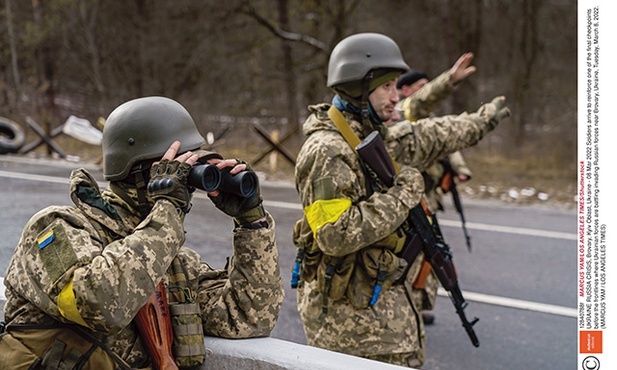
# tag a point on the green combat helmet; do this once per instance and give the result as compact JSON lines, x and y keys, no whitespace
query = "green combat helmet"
{"x":143,"y":129}
{"x":355,"y":56}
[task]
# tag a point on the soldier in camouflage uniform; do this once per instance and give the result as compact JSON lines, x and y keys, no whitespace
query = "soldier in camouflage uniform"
{"x":80,"y":273}
{"x":427,"y":96}
{"x":348,"y":236}
{"x":424,"y":97}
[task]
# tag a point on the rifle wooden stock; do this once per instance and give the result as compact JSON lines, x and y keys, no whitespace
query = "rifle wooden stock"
{"x":447,"y":181}
{"x":373,"y":153}
{"x":154,"y":325}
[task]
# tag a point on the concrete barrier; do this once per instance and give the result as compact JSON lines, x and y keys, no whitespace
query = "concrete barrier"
{"x":276,"y":354}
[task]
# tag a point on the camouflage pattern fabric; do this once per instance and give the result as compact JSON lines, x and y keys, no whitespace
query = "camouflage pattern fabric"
{"x":113,"y":260}
{"x":419,"y":106}
{"x":393,"y":325}
{"x":421,"y":143}
{"x":435,"y":173}
{"x":428,"y":98}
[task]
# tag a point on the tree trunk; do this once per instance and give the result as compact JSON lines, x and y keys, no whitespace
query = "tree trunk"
{"x":288,"y":67}
{"x":529,"y":47}
{"x":13,"y":50}
{"x":48,"y":109}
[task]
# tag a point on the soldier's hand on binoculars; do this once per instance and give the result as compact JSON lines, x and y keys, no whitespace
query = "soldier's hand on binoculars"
{"x":168,"y":177}
{"x":243,"y":209}
{"x":236,"y":167}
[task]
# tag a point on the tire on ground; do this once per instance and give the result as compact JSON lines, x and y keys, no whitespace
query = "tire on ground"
{"x":12,"y":136}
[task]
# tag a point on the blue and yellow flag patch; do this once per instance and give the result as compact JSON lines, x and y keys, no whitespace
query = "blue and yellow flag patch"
{"x":45,"y":239}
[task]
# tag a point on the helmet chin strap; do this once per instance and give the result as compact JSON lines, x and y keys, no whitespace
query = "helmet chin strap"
{"x":368,"y":118}
{"x":143,"y":205}
{"x":364,"y":102}
{"x":137,"y":180}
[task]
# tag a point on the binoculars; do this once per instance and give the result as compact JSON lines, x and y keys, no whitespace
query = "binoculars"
{"x":209,"y":178}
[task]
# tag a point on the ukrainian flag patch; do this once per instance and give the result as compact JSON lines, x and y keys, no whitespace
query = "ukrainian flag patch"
{"x":45,"y":239}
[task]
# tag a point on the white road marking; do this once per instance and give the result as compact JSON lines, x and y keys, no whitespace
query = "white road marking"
{"x":515,"y":303}
{"x":511,"y":230}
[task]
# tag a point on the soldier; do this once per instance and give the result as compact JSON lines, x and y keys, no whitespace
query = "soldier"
{"x":427,"y":96}
{"x":81,"y":273}
{"x":410,"y":82}
{"x":348,"y":236}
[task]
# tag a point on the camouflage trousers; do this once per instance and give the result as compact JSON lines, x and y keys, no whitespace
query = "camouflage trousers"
{"x":409,"y":359}
{"x":391,"y":331}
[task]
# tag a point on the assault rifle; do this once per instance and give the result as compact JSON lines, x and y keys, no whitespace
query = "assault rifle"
{"x":447,"y":184}
{"x":423,"y":235}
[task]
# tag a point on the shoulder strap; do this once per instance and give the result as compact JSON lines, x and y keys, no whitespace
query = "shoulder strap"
{"x":341,"y":124}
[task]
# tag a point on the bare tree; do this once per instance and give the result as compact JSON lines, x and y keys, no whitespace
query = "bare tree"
{"x":529,"y":47}
{"x":268,"y":60}
{"x":13,"y":50}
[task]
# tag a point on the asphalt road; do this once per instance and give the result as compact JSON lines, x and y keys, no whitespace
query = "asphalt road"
{"x":520,"y":278}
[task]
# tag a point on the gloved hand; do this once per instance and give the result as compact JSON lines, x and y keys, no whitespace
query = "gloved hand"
{"x":408,"y":186}
{"x":243,"y":210}
{"x":168,"y":181}
{"x":501,"y":112}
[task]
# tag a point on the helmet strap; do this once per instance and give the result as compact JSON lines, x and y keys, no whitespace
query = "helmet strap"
{"x":137,"y":173}
{"x":364,"y":102}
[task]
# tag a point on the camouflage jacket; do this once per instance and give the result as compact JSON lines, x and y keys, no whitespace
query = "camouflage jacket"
{"x":419,"y":106}
{"x":327,"y":168}
{"x":435,"y":173}
{"x":421,"y":143}
{"x":99,"y":254}
{"x":428,"y":98}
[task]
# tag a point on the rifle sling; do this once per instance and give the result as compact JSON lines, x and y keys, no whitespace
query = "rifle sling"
{"x":341,"y":124}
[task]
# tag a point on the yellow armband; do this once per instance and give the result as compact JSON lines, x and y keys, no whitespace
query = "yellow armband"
{"x":68,"y":306}
{"x":325,"y":211}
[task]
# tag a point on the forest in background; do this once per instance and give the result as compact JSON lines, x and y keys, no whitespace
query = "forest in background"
{"x":236,"y":62}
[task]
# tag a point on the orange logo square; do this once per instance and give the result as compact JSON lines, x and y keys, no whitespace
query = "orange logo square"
{"x":590,"y":341}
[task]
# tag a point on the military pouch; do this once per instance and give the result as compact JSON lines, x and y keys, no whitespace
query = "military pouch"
{"x":310,"y":264}
{"x":52,"y":349}
{"x":393,"y":242}
{"x":333,"y":274}
{"x":303,"y":239}
{"x":188,"y":345}
{"x":14,"y":355}
{"x":376,"y":270}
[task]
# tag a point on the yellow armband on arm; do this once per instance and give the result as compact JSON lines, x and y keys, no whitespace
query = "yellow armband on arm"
{"x":68,"y":306}
{"x":325,"y":211}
